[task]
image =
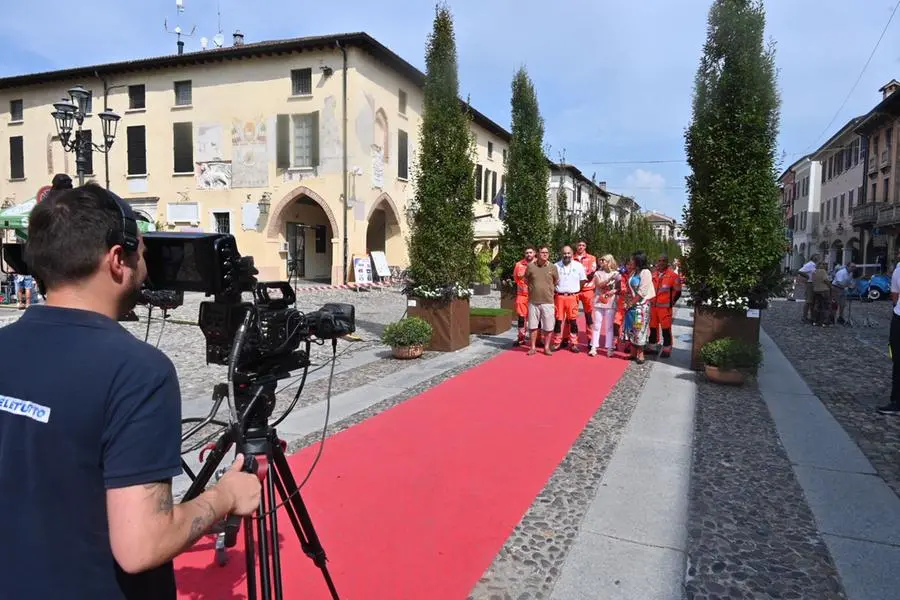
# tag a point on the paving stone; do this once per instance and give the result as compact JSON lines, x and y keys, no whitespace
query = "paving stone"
{"x":531,"y":560}
{"x":751,"y":533}
{"x":848,"y":368}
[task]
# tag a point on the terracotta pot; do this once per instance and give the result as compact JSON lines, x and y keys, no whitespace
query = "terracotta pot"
{"x":725,"y":377}
{"x":407,"y":352}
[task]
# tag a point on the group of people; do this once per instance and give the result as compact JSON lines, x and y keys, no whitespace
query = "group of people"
{"x":825,"y":297}
{"x":628,"y":307}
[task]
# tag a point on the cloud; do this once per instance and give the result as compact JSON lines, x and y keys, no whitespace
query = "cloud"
{"x":650,"y":191}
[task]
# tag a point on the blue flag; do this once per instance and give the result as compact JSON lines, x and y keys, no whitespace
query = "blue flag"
{"x":500,"y":201}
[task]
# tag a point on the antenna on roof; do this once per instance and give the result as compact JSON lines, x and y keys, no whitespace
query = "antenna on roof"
{"x":178,"y":32}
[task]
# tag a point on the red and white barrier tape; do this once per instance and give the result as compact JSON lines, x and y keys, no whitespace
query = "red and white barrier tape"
{"x":346,"y":286}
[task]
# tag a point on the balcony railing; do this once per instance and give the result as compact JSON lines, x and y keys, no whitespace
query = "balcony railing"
{"x":864,"y":214}
{"x":888,"y":215}
{"x":885,"y":155}
{"x":873,"y":164}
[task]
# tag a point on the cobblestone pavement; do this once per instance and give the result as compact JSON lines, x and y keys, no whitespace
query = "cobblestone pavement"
{"x":751,"y":533}
{"x":850,"y":371}
{"x":532,"y":558}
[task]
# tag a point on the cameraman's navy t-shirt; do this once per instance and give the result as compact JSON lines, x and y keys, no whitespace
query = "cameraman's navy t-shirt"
{"x":84,"y":407}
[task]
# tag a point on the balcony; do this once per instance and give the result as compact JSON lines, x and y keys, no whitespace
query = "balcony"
{"x":885,"y":156}
{"x":864,"y":215}
{"x":888,"y":215}
{"x":873,"y":164}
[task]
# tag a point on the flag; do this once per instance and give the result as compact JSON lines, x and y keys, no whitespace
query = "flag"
{"x":500,"y":201}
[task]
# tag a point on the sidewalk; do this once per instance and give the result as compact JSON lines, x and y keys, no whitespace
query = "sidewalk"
{"x":632,"y":542}
{"x":856,"y":512}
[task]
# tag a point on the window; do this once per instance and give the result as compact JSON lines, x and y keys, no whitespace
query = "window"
{"x":830,"y":167}
{"x":874,"y":191}
{"x":841,"y":213}
{"x":136,"y":97}
{"x":321,"y":239}
{"x":89,"y":103}
{"x":859,"y":195}
{"x":183,"y":148}
{"x":89,"y":156}
{"x":16,"y":157}
{"x":183,"y":93}
{"x":137,"y":149}
{"x":823,"y":173}
{"x":493,"y":186}
{"x":849,"y":201}
{"x":222,"y":222}
{"x":16,"y":110}
{"x":478,"y":184}
{"x":504,"y":156}
{"x":297,"y":138}
{"x":402,"y":155}
{"x":401,"y":102}
{"x":301,"y":82}
{"x":490,"y":149}
{"x":887,"y":185}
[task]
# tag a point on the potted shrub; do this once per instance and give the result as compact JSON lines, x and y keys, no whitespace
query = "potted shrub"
{"x":489,"y":321}
{"x":730,"y":360}
{"x":407,"y":337}
{"x":483,"y":274}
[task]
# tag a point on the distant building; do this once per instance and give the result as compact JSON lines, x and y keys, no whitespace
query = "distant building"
{"x":663,"y":225}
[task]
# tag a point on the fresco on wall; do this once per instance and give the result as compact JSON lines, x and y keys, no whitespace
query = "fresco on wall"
{"x":250,"y":153}
{"x":365,"y":122}
{"x":331,"y":157}
{"x":211,"y":170}
{"x":377,"y":167}
{"x":213,"y":175}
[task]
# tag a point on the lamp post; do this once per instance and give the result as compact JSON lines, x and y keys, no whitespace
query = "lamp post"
{"x":69,"y":113}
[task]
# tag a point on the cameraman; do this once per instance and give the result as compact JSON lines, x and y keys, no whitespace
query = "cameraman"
{"x":90,"y":433}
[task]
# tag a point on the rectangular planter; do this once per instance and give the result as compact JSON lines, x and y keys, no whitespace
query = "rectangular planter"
{"x":508,"y":301}
{"x":714,"y":323}
{"x":448,"y":319}
{"x":490,"y":324}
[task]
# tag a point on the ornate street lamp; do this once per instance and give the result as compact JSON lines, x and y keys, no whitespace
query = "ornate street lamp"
{"x":69,"y":116}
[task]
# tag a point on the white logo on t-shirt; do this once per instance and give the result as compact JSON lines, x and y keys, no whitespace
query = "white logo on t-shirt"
{"x":24,"y":408}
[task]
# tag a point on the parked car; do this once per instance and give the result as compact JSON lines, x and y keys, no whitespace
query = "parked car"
{"x":876,"y":287}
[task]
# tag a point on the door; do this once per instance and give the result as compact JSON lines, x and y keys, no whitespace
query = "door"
{"x":296,"y":241}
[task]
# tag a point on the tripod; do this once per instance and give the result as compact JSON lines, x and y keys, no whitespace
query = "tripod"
{"x":258,"y":439}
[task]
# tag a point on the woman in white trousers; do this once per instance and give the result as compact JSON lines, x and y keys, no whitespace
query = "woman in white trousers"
{"x":606,"y":281}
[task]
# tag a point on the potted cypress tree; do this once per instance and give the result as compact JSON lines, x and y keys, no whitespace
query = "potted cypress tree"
{"x":441,"y":216}
{"x":483,"y":274}
{"x":733,"y":217}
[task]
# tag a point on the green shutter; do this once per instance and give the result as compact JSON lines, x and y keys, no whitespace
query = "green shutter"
{"x":283,"y":142}
{"x":314,"y":141}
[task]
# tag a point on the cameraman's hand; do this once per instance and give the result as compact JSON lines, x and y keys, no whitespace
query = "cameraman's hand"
{"x":243,"y":489}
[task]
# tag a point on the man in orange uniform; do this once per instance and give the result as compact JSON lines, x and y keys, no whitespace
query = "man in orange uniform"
{"x":586,"y":297}
{"x":522,"y":292}
{"x":668,"y":289}
{"x":568,"y":288}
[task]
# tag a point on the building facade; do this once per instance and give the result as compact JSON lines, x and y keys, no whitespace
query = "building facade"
{"x":303,"y":149}
{"x":663,"y":225}
{"x":877,"y":217}
{"x":582,"y":194}
{"x":802,"y":192}
{"x":841,"y":176}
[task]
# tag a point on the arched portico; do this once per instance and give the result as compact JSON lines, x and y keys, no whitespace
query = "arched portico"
{"x":311,"y":233}
{"x":383,"y":230}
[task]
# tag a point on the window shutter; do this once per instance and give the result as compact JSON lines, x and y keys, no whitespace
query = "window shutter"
{"x":283,"y":142}
{"x":183,"y":147}
{"x":16,"y":158}
{"x":314,"y":138}
{"x":137,"y":150}
{"x":478,"y":176}
{"x":493,"y":186}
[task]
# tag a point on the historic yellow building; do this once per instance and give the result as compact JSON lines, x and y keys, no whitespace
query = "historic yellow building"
{"x":263,"y":140}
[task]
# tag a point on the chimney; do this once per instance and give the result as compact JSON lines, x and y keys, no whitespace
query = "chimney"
{"x":889,"y":88}
{"x":602,"y":185}
{"x":238,"y":38}
{"x":180,"y":47}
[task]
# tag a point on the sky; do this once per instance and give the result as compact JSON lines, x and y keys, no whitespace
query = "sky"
{"x":614,"y":78}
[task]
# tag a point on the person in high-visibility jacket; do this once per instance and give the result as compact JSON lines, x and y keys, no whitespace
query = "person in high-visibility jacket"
{"x":568,"y":288}
{"x":586,"y":297}
{"x":620,"y":305}
{"x":668,"y":289}
{"x":522,"y":293}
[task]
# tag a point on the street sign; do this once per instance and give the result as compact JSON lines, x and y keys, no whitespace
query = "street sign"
{"x":42,"y":193}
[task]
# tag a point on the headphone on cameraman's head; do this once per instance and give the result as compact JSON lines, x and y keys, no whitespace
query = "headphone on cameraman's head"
{"x":126,"y":235}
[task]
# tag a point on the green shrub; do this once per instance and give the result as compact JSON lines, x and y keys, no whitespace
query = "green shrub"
{"x":489,"y":312}
{"x":483,"y":272}
{"x":407,"y":332}
{"x":731,"y":354}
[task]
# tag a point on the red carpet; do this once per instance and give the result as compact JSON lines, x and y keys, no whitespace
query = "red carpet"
{"x":415,"y":503}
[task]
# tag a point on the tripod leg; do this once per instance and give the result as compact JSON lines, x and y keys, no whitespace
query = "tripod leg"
{"x":265,"y":582}
{"x":306,"y":530}
{"x":250,"y":557}
{"x":273,"y":527}
{"x":223,"y":444}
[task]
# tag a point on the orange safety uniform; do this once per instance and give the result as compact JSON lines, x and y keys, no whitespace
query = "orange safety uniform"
{"x":620,"y":305}
{"x":586,"y":297}
{"x":668,"y":286}
{"x":521,"y":296}
{"x":566,"y":308}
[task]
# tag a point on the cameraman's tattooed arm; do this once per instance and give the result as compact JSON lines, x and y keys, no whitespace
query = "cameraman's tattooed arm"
{"x":148,"y":529}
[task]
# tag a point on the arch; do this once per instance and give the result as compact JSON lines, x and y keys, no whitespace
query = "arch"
{"x":385,"y":198}
{"x":275,"y":215}
{"x":837,"y":244}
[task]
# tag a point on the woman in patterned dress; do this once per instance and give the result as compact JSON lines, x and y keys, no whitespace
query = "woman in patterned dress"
{"x":638,"y":294}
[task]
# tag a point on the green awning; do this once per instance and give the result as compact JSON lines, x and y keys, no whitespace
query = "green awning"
{"x":16,"y":218}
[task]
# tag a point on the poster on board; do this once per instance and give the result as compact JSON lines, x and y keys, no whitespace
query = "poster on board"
{"x":362,"y":269}
{"x":379,"y":260}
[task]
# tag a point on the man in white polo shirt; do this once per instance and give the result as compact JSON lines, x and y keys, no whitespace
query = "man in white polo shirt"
{"x":893,"y":407}
{"x":805,"y":273}
{"x":843,"y":280}
{"x":571,"y":277}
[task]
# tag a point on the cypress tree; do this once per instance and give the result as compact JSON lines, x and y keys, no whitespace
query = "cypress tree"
{"x":733,"y":218}
{"x":441,"y":243}
{"x":527,"y":220}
